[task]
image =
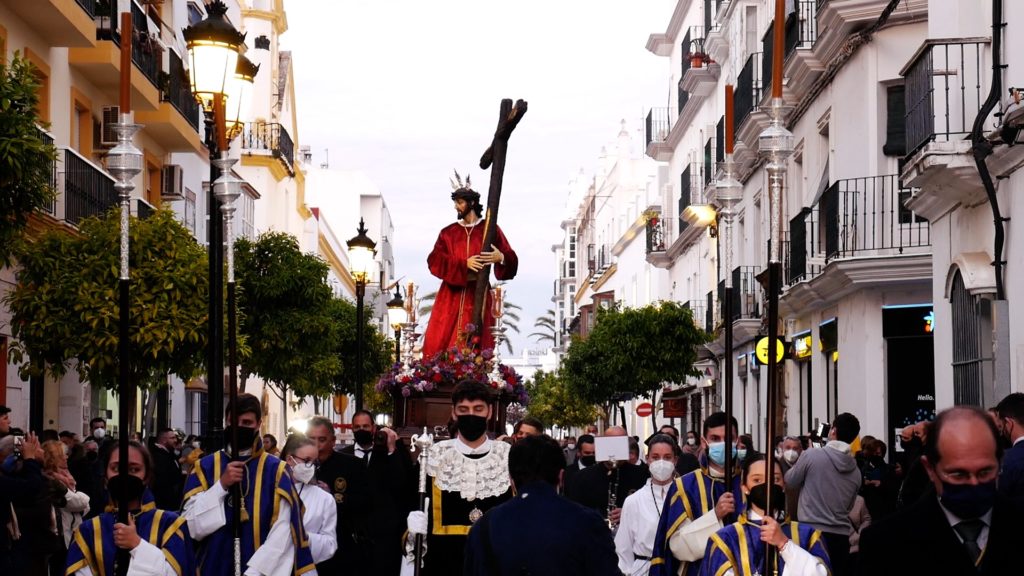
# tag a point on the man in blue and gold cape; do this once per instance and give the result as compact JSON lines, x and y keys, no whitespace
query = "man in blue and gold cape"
{"x":273,"y":541}
{"x":696,"y":505}
{"x":157,"y":540}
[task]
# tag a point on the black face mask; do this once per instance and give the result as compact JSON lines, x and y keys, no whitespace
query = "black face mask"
{"x":588,"y":460}
{"x":130,"y":487}
{"x":363,"y":437}
{"x":759,"y":496}
{"x":472,"y":427}
{"x":246,"y":438}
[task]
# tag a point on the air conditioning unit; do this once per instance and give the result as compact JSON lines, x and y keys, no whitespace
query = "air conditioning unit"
{"x":111,"y":116}
{"x":171,"y":187}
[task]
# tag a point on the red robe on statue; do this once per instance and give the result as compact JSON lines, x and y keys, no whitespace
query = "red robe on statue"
{"x":453,"y":305}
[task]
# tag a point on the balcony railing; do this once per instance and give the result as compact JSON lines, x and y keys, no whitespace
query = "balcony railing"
{"x":657,"y":126}
{"x":179,"y":92}
{"x":655,"y":229}
{"x":697,"y":308}
{"x":748,"y":90}
{"x":48,"y":141}
{"x":747,"y":295}
{"x":89,"y":6}
{"x":944,"y":84}
{"x":709,"y":312}
{"x":802,"y":26}
{"x":88,"y":190}
{"x":147,"y":53}
{"x":685,"y":191}
{"x":271,"y":137}
{"x":854,"y":217}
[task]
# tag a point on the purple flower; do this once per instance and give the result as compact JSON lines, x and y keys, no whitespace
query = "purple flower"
{"x":428,"y":386}
{"x":406,"y":392}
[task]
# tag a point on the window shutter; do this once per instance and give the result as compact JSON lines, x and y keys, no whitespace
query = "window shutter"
{"x":895,"y":122}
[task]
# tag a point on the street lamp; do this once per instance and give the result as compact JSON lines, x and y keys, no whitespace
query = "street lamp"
{"x":213,"y":50}
{"x":361,"y":251}
{"x":397,"y":317}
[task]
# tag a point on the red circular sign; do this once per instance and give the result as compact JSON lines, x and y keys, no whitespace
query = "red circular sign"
{"x":644,"y":409}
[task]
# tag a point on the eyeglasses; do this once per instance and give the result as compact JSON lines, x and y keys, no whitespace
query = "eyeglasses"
{"x":983,"y":476}
{"x":305,"y":460}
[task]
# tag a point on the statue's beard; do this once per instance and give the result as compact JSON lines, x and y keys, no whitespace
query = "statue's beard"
{"x":464,"y":213}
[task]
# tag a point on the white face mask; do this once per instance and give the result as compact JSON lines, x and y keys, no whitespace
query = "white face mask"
{"x":570,"y":446}
{"x":195,"y":444}
{"x":691,"y":441}
{"x":99,"y":433}
{"x":661,"y":470}
{"x":303,"y":472}
{"x":790,"y":456}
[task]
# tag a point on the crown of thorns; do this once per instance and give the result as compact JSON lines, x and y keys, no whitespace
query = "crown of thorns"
{"x":462,"y":189}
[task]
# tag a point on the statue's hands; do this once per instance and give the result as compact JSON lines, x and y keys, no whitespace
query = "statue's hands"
{"x":475,"y":263}
{"x":493,"y":257}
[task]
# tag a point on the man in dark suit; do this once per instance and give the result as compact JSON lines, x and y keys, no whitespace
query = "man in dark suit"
{"x":538,"y":531}
{"x":345,"y":477}
{"x":965,"y":527}
{"x":167,"y":479}
{"x":1011,"y":476}
{"x":390,"y":477}
{"x":590,"y":486}
{"x":584,"y":458}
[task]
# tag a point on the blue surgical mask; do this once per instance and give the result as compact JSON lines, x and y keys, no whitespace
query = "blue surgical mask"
{"x":967,"y":501}
{"x":741,"y":453}
{"x":716,"y":451}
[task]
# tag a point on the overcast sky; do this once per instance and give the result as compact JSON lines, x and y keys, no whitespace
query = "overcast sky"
{"x":407,"y":90}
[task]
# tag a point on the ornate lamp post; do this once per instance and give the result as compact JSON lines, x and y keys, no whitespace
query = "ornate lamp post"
{"x":397,"y":317}
{"x":361,"y":251}
{"x":213,"y":46}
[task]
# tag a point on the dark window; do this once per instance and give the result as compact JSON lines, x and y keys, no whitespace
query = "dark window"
{"x":195,"y":15}
{"x":895,"y":122}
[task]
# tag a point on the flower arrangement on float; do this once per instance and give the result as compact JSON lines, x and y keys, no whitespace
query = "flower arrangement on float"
{"x":452,"y":366}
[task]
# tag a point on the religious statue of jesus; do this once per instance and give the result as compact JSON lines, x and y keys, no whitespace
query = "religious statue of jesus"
{"x":456,"y":259}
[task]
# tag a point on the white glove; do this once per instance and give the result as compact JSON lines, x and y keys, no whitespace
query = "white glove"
{"x":417,"y":522}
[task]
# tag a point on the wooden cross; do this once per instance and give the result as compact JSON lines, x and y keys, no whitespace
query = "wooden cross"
{"x":494,"y":158}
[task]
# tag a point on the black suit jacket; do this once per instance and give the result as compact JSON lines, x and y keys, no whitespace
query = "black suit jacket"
{"x":919,"y":540}
{"x":167,"y":479}
{"x":590,"y":486}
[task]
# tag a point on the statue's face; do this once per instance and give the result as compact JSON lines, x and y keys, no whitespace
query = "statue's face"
{"x":463,"y":207}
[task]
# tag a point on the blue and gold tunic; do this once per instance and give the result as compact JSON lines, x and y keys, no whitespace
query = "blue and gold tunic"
{"x":92,"y":545}
{"x":688,"y":498}
{"x":266,"y":483}
{"x":738,"y":547}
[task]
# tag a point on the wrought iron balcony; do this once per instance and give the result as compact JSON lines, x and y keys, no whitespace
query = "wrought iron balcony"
{"x":857,"y":217}
{"x":748,"y":90}
{"x":697,"y":308}
{"x":179,"y":92}
{"x":944,"y":83}
{"x":802,"y":26}
{"x":87,"y":189}
{"x":656,"y":129}
{"x":655,"y":229}
{"x":89,"y":6}
{"x":147,"y":52}
{"x":271,"y":137}
{"x":48,"y":140}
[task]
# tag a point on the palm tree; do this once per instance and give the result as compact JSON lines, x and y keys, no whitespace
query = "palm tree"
{"x":511,"y":315}
{"x":546,"y":328}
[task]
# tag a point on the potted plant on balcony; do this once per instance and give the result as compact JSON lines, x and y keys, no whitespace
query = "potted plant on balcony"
{"x":698,"y":57}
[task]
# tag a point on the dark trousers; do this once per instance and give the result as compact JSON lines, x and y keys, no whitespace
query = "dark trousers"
{"x":838,"y":546}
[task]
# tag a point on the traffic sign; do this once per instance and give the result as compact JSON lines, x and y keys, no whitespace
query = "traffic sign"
{"x":644,"y":409}
{"x":762,"y":350}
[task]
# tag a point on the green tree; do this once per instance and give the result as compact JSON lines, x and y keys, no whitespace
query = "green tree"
{"x":545,"y":326}
{"x":378,"y":351}
{"x":553,"y":403}
{"x":64,"y":306}
{"x":287,"y":321}
{"x":632,"y":352}
{"x":26,"y":160}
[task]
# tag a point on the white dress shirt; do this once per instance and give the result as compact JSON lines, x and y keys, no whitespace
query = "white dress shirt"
{"x":638,"y":526}
{"x":320,"y":519}
{"x":204,"y":513}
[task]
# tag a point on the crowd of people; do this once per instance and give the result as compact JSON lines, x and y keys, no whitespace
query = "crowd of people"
{"x":522,"y":504}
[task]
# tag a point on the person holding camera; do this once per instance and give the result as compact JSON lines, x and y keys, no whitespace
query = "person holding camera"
{"x":20,"y":479}
{"x":389,"y":474}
